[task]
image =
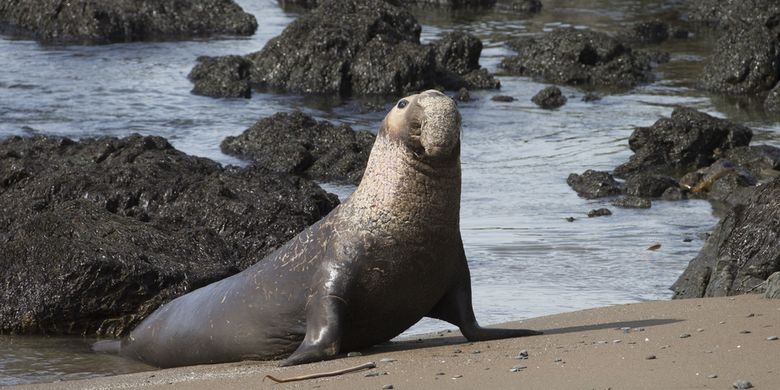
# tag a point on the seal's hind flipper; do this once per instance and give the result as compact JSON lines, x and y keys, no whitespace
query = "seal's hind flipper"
{"x":107,"y":346}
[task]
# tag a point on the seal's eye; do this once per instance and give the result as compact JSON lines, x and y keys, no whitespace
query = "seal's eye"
{"x":403,"y":103}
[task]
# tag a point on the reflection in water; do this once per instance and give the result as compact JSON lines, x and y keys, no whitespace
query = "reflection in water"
{"x":49,"y":359}
{"x":526,"y":259}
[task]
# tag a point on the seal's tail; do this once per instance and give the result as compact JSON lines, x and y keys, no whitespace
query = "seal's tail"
{"x":107,"y":346}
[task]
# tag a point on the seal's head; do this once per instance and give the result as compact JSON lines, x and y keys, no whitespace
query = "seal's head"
{"x":427,"y":123}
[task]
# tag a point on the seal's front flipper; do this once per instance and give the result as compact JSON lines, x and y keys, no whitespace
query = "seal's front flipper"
{"x":323,"y":331}
{"x":455,"y":307}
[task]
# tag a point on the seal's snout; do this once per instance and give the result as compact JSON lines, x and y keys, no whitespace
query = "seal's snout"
{"x":439,"y":124}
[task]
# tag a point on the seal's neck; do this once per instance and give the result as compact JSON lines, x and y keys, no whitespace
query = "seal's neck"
{"x":398,"y":187}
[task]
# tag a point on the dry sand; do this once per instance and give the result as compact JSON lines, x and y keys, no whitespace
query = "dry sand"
{"x":580,"y":350}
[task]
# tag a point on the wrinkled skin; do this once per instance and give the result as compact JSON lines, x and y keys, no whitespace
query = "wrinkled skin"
{"x":388,"y":256}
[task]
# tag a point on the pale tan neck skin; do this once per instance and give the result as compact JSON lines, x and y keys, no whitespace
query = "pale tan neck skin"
{"x":413,"y":173}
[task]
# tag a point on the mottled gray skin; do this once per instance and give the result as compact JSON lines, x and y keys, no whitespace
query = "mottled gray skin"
{"x":388,"y":256}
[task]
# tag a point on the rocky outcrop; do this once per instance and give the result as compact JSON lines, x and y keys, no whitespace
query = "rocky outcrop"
{"x":96,"y":234}
{"x":746,"y":61}
{"x":351,"y":47}
{"x":297,"y":143}
{"x":632,"y":202}
{"x":772,"y":101}
{"x":579,"y":57}
{"x":649,"y":186}
{"x":549,"y":98}
{"x":649,"y":33}
{"x":685,"y":142}
{"x":772,"y":289}
{"x":730,"y":13}
{"x":455,"y":4}
{"x":108,"y":21}
{"x":594,"y":184}
{"x":222,"y":77}
{"x":742,"y":252}
{"x":722,"y":181}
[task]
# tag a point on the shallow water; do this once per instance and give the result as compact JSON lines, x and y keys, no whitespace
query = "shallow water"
{"x":526,"y":259}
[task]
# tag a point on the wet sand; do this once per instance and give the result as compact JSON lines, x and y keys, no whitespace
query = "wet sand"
{"x":688,"y":344}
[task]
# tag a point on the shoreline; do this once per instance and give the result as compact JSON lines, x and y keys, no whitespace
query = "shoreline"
{"x":586,"y":349}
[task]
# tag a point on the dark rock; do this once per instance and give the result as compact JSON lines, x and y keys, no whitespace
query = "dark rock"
{"x":745,"y":61}
{"x":458,"y":52}
{"x":222,"y":77}
{"x":297,"y":143}
{"x":742,"y":252}
{"x":305,"y":4}
{"x":632,"y":202}
{"x":454,"y":4}
{"x":772,"y":101}
{"x":578,"y":57}
{"x":591,"y":97}
{"x":481,"y":79}
{"x":673,"y":193}
{"x":679,"y":33}
{"x":98,"y":233}
{"x":395,"y":69}
{"x":685,"y":142}
{"x":650,"y":32}
{"x":732,"y":13}
{"x":649,"y":186}
{"x":124,"y":20}
{"x":364,"y":47}
{"x":464,"y":95}
{"x":602,"y":212}
{"x":549,"y":98}
{"x":528,"y":7}
{"x":772,"y":290}
{"x":316,"y":52}
{"x":457,"y":60}
{"x":762,"y":161}
{"x":594,"y":184}
{"x":502,"y":98}
{"x":722,"y":181}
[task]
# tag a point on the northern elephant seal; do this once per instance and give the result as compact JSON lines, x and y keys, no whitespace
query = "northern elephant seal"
{"x":388,"y":256}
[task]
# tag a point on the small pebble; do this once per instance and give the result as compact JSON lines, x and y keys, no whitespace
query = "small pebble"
{"x":571,"y":219}
{"x":476,"y":351}
{"x":744,"y":332}
{"x":558,"y":360}
{"x":616,"y":341}
{"x":457,"y":376}
{"x":685,"y":335}
{"x":371,"y":374}
{"x":772,"y":338}
{"x":387,"y":360}
{"x":650,"y":357}
{"x":626,"y":329}
{"x":700,"y":330}
{"x":354,"y":354}
{"x":522,"y":355}
{"x":751,"y":315}
{"x":387,"y":386}
{"x":457,"y":351}
{"x":713,"y":376}
{"x":742,"y":384}
{"x":517,"y":368}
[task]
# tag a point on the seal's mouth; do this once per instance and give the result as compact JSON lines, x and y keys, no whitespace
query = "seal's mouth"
{"x":415,"y":130}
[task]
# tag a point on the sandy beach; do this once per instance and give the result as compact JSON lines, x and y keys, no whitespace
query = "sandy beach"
{"x":706,"y":343}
